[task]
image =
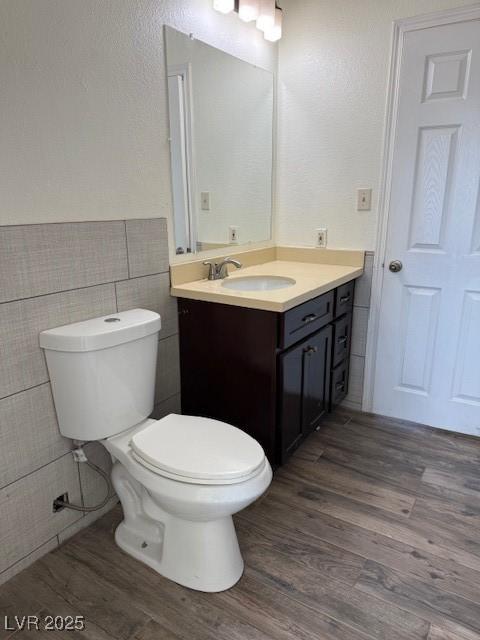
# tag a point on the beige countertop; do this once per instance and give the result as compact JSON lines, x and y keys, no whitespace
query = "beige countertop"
{"x":312,"y":279}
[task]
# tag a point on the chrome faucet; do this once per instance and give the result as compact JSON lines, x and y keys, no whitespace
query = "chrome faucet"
{"x":220,"y":271}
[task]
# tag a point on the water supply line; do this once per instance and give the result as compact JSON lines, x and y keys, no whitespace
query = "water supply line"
{"x":80,"y":456}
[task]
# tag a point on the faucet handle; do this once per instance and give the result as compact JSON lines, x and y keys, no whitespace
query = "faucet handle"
{"x":212,"y":269}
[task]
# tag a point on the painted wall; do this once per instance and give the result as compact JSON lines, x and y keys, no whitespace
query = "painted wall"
{"x":83,"y":103}
{"x":333,"y":72}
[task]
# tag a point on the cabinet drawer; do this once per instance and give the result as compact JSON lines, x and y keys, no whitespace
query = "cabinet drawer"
{"x":339,"y":385}
{"x":344,"y":298}
{"x":342,"y":333}
{"x":303,"y":320}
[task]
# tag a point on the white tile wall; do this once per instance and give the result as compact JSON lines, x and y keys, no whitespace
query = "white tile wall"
{"x":86,"y":253}
{"x":29,"y":435}
{"x":26,"y":507}
{"x":152,"y":292}
{"x":28,"y":560}
{"x":53,"y":274}
{"x":168,"y":369}
{"x":361,"y":310}
{"x":22,"y":364}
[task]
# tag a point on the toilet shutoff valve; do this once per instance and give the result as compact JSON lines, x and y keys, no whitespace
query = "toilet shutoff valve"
{"x":79,"y":455}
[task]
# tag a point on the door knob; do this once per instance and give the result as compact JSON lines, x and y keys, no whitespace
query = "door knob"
{"x":395,"y":266}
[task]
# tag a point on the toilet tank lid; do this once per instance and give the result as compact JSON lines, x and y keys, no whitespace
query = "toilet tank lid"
{"x":100,"y":333}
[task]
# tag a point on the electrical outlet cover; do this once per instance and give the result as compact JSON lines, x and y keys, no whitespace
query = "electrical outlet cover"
{"x":233,"y":235}
{"x":321,"y":237}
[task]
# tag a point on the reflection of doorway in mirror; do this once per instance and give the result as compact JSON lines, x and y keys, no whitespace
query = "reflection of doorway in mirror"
{"x":221,"y":112}
{"x":181,"y":152}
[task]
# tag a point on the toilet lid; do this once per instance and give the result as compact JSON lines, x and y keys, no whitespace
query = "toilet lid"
{"x":198,"y":448}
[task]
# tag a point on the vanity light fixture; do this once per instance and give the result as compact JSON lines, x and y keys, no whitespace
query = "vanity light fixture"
{"x":266,"y":13}
{"x":248,"y":10}
{"x":224,"y":6}
{"x":274,"y":32}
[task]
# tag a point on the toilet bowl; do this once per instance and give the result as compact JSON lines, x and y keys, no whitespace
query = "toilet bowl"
{"x":182,"y":526}
{"x":179,"y":479}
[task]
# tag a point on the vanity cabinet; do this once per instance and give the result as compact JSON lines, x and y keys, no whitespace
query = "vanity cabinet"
{"x":304,"y":385}
{"x":274,"y":375}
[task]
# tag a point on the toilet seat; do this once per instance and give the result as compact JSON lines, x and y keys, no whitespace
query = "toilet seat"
{"x":197,"y":450}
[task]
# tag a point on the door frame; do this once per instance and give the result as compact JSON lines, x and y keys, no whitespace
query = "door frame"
{"x":185,"y":70}
{"x":400,"y":29}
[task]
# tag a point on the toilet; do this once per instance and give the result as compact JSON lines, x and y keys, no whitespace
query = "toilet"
{"x":179,"y":479}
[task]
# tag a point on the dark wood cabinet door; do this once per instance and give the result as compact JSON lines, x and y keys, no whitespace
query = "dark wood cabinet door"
{"x":339,"y":384}
{"x":342,"y":336}
{"x":304,"y":389}
{"x":316,"y":378}
{"x":290,"y":395}
{"x":228,"y":363}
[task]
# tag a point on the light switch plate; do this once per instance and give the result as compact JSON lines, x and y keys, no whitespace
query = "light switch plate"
{"x":205,"y":200}
{"x":364,"y":200}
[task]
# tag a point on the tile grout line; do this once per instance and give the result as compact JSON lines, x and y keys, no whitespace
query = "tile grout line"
{"x":54,"y":293}
{"x":29,"y":554}
{"x":126,"y":248}
{"x":8,"y":227}
{"x":88,"y":286}
{"x":116,"y":296}
{"x":26,"y":475}
{"x":16,"y":393}
{"x":167,"y":399}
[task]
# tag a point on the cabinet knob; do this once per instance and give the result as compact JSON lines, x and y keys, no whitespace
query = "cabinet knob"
{"x":309,"y":350}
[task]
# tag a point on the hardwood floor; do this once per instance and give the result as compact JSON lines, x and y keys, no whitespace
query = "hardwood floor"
{"x":371,"y":531}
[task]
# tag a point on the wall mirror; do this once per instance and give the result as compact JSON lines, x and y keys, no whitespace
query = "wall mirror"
{"x":221,"y":145}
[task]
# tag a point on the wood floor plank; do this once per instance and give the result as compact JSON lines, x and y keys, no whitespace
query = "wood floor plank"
{"x":86,"y":594}
{"x":176,"y":608}
{"x":154,"y":631}
{"x":331,"y":597}
{"x":444,"y":442}
{"x":396,"y":467}
{"x":314,"y":554}
{"x":15,"y":601}
{"x":453,"y":632}
{"x":351,"y":484}
{"x":309,"y":450}
{"x":398,"y":443}
{"x":443,"y":574}
{"x":57,"y":603}
{"x":374,"y":464}
{"x":463,"y":483}
{"x":370,"y":532}
{"x":417,"y":597}
{"x":282,"y":614}
{"x":418,"y":534}
{"x":457,"y":518}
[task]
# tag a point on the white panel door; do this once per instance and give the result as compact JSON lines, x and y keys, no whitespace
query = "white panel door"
{"x":428,"y":355}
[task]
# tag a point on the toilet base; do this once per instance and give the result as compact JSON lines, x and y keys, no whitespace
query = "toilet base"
{"x":204,"y":556}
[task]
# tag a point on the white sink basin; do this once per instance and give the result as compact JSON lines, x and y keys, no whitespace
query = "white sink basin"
{"x":258,"y":283}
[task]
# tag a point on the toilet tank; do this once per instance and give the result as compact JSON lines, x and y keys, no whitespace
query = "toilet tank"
{"x":103,"y":372}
